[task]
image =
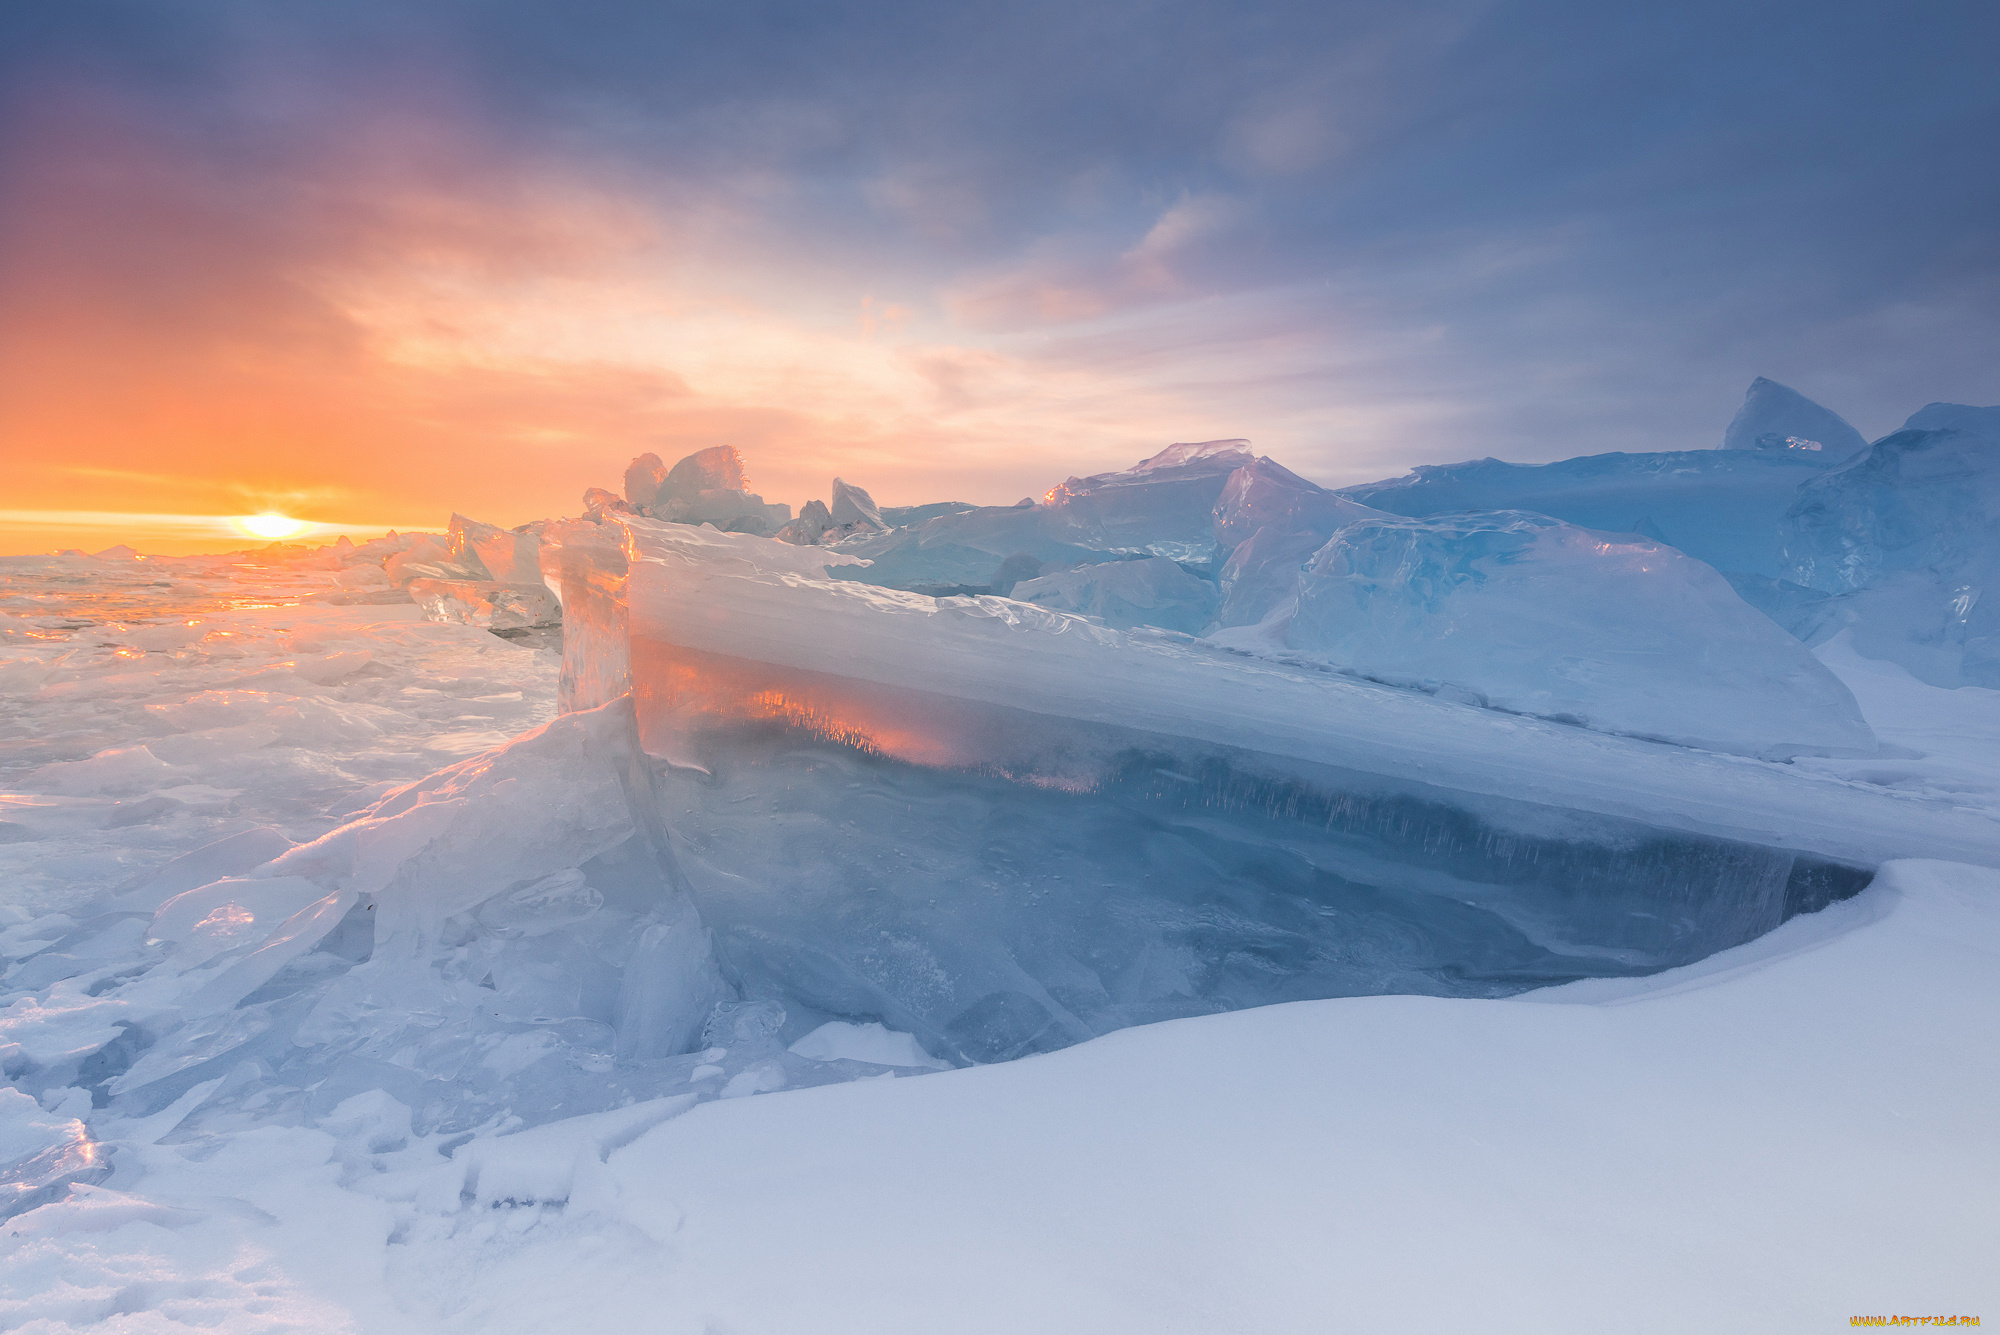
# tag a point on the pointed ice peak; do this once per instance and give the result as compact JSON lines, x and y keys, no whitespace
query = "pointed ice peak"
{"x":853,"y":506}
{"x":1981,"y":422}
{"x":1776,"y":417}
{"x":1188,"y":452}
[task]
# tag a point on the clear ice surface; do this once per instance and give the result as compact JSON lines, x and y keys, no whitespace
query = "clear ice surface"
{"x":1165,"y":503}
{"x":1540,"y":617}
{"x":1907,"y":535}
{"x":487,"y":604}
{"x":1150,"y":592}
{"x":964,"y":550}
{"x":1718,"y":506}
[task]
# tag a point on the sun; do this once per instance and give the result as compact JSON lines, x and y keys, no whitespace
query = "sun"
{"x":271,"y":525}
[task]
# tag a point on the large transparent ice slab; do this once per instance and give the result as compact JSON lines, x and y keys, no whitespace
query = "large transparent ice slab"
{"x":772,"y":605}
{"x":1003,"y":830}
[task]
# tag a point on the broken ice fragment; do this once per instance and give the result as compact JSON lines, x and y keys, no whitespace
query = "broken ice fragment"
{"x":1908,"y":533}
{"x":1262,"y":574}
{"x":1718,"y":506}
{"x":1263,"y":494}
{"x":718,"y":468}
{"x":585,"y":563}
{"x":486,"y":604}
{"x":643,"y":477}
{"x":506,"y":556}
{"x":1541,"y":617}
{"x":1152,"y":592}
{"x":811,"y":525}
{"x":1168,"y":498}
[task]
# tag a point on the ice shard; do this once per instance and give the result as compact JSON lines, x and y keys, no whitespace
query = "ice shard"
{"x":583,"y":561}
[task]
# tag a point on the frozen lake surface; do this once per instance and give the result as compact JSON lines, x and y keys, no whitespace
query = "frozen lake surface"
{"x":1786,"y":1117}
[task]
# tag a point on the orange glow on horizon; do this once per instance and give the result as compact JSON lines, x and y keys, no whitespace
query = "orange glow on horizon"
{"x":415,"y":325}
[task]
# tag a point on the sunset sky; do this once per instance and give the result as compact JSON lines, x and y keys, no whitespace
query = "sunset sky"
{"x":368,"y":262}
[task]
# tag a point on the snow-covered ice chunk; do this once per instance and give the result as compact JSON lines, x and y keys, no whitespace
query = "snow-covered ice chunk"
{"x":837,"y":1040}
{"x":544,"y":1164}
{"x":1539,"y":617}
{"x":487,"y":604}
{"x":1719,"y":506}
{"x":361,"y":578}
{"x":1152,"y":592}
{"x":1910,"y":530}
{"x":1776,"y":417}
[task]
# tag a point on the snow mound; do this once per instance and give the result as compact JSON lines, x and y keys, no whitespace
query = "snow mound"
{"x":1528,"y":614}
{"x":1775,"y":417}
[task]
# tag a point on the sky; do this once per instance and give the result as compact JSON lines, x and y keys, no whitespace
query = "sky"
{"x":367,"y":263}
